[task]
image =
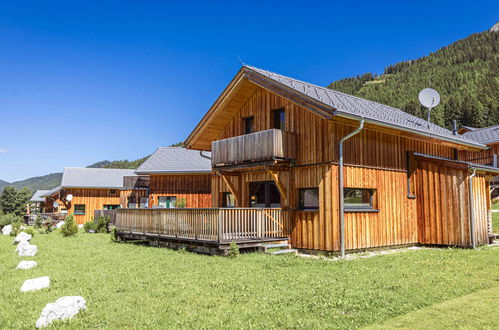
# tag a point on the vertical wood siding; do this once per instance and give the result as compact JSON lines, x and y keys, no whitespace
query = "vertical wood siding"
{"x":195,"y":188}
{"x":94,"y":199}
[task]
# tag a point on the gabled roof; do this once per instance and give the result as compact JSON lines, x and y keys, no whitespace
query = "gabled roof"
{"x":50,"y":192}
{"x":39,"y":196}
{"x":176,"y":160}
{"x":329,"y":103}
{"x":82,"y":177}
{"x":485,"y":135}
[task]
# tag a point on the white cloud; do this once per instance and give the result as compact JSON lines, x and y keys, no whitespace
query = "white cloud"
{"x":4,"y":150}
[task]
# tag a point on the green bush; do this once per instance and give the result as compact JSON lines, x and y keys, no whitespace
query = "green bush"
{"x":48,"y":225}
{"x":16,"y":228}
{"x":69,"y":228}
{"x":30,"y":231}
{"x":88,"y":226}
{"x":102,"y":223}
{"x":114,"y":234}
{"x":38,"y":221}
{"x":9,"y":219}
{"x":233,"y":250}
{"x":180,"y":203}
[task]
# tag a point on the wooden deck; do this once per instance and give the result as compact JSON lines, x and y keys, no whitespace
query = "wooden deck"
{"x":207,"y":230}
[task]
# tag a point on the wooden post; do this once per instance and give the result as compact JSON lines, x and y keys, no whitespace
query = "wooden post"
{"x":259,"y":224}
{"x":494,"y":161}
{"x":219,"y":225}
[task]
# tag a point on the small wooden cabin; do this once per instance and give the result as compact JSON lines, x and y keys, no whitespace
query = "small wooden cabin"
{"x":91,"y":189}
{"x":176,"y":177}
{"x":275,"y":143}
{"x":36,"y":203}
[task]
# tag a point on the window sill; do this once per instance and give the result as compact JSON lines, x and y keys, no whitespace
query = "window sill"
{"x":352,"y":210}
{"x":79,"y":214}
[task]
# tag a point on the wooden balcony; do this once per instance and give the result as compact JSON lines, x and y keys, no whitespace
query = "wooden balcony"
{"x":211,"y":227}
{"x":269,"y":145}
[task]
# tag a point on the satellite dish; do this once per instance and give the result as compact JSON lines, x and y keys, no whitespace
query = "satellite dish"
{"x":69,"y":197}
{"x":55,"y":205}
{"x":429,"y":98}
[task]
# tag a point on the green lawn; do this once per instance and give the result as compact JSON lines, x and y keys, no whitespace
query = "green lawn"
{"x":495,"y":222}
{"x":134,"y":286}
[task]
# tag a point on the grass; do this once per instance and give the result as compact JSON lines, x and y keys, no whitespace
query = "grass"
{"x":474,"y":311}
{"x":495,"y":222}
{"x":134,"y":286}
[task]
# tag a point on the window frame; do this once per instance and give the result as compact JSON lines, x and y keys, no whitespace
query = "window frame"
{"x":225,"y":195}
{"x":80,"y":213}
{"x":372,"y":201}
{"x":131,"y":200}
{"x":171,"y":199}
{"x":301,"y":205}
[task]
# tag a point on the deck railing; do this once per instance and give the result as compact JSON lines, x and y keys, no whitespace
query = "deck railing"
{"x":272,"y":144}
{"x":218,"y":225}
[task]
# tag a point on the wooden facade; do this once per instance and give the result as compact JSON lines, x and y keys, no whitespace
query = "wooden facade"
{"x":412,"y":203}
{"x":194,"y":188}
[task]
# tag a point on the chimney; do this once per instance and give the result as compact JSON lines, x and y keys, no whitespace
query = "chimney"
{"x":454,"y":127}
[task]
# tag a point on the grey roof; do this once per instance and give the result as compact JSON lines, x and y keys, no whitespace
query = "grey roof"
{"x":50,"y":192}
{"x":485,"y":135}
{"x":176,"y":160}
{"x":352,"y":106}
{"x":39,"y":196}
{"x":83,"y":177}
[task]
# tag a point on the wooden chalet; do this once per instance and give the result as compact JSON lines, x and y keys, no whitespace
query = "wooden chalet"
{"x":36,"y":204}
{"x":324,"y":171}
{"x":91,"y":189}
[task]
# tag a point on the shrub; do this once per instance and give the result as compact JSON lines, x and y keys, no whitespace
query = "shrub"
{"x":48,"y":225}
{"x":9,"y":219}
{"x":102,"y":223}
{"x":90,"y":226}
{"x":114,"y":234}
{"x":16,"y":228}
{"x":38,"y":221}
{"x":233,"y":250}
{"x":180,"y":203}
{"x":69,"y":228}
{"x":30,"y":231}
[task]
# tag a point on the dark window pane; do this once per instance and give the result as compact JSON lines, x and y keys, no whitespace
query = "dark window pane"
{"x":309,"y":198}
{"x":279,"y":118}
{"x":143,"y":202}
{"x":249,"y":124}
{"x":264,"y":194}
{"x":132,"y":203}
{"x":228,"y":199}
{"x":359,"y":198}
{"x":80,"y":209}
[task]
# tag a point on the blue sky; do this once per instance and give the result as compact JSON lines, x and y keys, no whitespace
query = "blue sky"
{"x":84,"y":81}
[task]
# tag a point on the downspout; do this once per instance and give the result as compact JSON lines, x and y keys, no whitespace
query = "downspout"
{"x":472,"y":213}
{"x":342,"y":188}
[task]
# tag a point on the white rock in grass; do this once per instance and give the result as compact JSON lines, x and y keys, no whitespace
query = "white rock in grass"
{"x":80,"y":226}
{"x":28,"y":251}
{"x":26,"y":264}
{"x":22,"y":236}
{"x":36,"y":284}
{"x":6,"y":230}
{"x":63,"y":308}
{"x":21,"y":245}
{"x":59,"y":224}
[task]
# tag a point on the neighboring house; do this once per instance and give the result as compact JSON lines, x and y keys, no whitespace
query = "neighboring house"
{"x":91,"y":189}
{"x":275,"y":142}
{"x":490,"y":137}
{"x":37,"y":202}
{"x":177,"y":177}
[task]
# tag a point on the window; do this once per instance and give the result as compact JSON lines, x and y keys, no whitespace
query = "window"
{"x":167,"y":202}
{"x":132,"y":202}
{"x":356,"y":198}
{"x":249,"y":125}
{"x":79,"y":208}
{"x":279,"y":118}
{"x":309,"y":199}
{"x":111,"y":207}
{"x":113,"y":192}
{"x":264,"y":194}
{"x":143,"y":202}
{"x":228,"y":199}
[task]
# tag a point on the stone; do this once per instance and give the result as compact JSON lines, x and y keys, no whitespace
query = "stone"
{"x":28,"y":251}
{"x":63,"y":308}
{"x":26,"y":264}
{"x":80,"y":226}
{"x":22,"y":236}
{"x":21,"y":245}
{"x":6,"y":230}
{"x":59,"y":224}
{"x":36,"y":284}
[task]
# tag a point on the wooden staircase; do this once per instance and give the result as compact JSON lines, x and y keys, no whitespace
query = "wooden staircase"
{"x":277,"y":248}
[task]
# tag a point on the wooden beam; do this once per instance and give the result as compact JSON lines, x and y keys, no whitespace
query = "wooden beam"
{"x":232,"y":188}
{"x":279,"y":184}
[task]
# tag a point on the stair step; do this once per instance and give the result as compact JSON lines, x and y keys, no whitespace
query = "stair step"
{"x":284,"y":251}
{"x":276,"y":246}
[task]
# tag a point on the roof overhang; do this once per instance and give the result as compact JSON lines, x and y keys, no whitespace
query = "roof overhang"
{"x":460,"y":164}
{"x":247,"y":81}
{"x":173,"y":172}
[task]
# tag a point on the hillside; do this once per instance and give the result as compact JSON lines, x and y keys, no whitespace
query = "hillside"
{"x":465,"y":73}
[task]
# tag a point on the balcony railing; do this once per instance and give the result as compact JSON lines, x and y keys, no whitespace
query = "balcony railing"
{"x":216,"y":225}
{"x":272,"y":144}
{"x":136,"y":182}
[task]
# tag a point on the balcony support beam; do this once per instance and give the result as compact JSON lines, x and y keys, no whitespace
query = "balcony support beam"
{"x":280,"y":185}
{"x":232,"y":188}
